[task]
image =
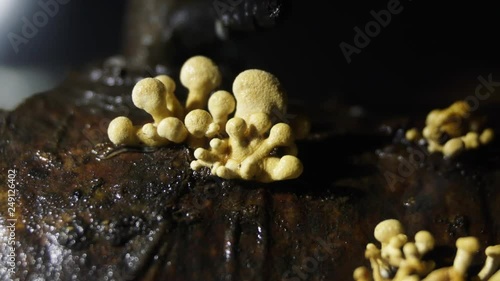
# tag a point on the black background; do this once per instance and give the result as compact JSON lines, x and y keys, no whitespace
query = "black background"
{"x":427,"y":51}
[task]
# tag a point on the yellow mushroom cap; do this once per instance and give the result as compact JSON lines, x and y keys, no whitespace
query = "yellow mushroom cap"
{"x":432,"y":116}
{"x":199,"y":123}
{"x":486,"y":136}
{"x":280,"y":134}
{"x":460,"y":107}
{"x":453,"y":147}
{"x":424,"y":241}
{"x":149,"y":95}
{"x":410,"y":250}
{"x":149,"y":130}
{"x":236,"y":128}
{"x":371,"y":251}
{"x":200,"y":72}
{"x":286,"y":167}
{"x":120,"y":130}
{"x":258,"y":91}
{"x":387,"y":229}
{"x":468,"y":244}
{"x":172,"y":129}
{"x":361,"y":274}
{"x":412,"y":134}
{"x":168,"y":82}
{"x":221,"y":104}
{"x":493,"y":251}
{"x":200,"y":75}
{"x":471,"y":140}
{"x":261,"y":123}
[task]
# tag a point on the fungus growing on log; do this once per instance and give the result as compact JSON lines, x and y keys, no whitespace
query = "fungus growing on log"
{"x":452,"y":130}
{"x":248,"y":151}
{"x":252,"y":144}
{"x":402,"y":260}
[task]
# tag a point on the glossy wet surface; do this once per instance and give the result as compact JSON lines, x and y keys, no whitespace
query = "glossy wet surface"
{"x":86,"y":211}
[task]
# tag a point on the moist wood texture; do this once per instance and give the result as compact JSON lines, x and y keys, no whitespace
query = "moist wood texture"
{"x":144,"y":215}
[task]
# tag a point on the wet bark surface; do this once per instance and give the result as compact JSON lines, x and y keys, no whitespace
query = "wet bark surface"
{"x":86,"y":210}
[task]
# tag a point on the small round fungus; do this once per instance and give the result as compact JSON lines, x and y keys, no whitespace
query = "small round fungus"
{"x":387,"y":229}
{"x":122,"y":131}
{"x":172,"y":129}
{"x":453,"y":147}
{"x":361,"y":274}
{"x":486,"y":136}
{"x":199,"y":123}
{"x":258,"y":91}
{"x":412,"y":134}
{"x":201,"y":76}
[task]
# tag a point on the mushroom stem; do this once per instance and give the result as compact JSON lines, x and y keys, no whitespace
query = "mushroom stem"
{"x":491,"y":264}
{"x":196,"y":99}
{"x":466,"y":248}
{"x":372,"y":253}
{"x":173,"y":103}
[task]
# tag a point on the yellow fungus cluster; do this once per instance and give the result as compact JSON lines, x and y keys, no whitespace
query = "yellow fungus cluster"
{"x":233,"y":135}
{"x":400,"y":260}
{"x":252,"y":138}
{"x":452,"y":130}
{"x":156,"y":96}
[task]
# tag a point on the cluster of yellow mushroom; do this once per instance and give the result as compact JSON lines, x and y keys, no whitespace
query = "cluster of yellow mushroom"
{"x":157,"y":97}
{"x":248,"y":145}
{"x":398,"y":259}
{"x":247,"y":152}
{"x":452,"y":130}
